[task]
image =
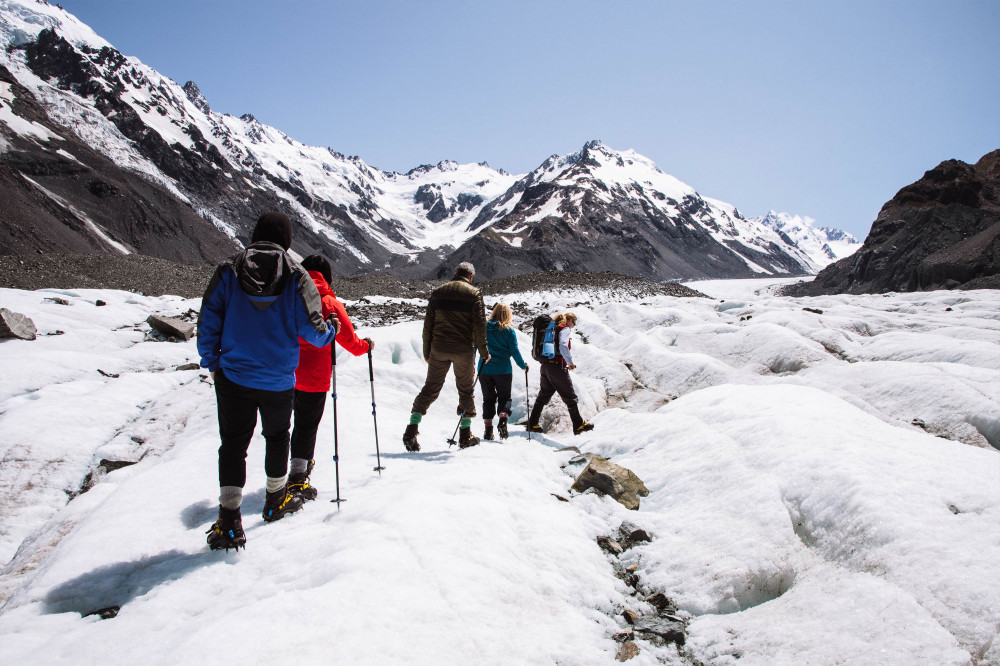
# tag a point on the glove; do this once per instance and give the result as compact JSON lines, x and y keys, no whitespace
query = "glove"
{"x":333,"y":322}
{"x":371,"y":344}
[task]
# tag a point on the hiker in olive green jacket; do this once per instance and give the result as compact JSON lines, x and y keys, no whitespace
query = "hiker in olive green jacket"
{"x":454,"y":328}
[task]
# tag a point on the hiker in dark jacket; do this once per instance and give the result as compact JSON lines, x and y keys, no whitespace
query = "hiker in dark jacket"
{"x":497,"y":376}
{"x":256,"y":306}
{"x":454,"y":328}
{"x":312,"y":379}
{"x":555,"y":378}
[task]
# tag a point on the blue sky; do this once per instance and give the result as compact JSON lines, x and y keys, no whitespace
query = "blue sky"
{"x":822,"y":109}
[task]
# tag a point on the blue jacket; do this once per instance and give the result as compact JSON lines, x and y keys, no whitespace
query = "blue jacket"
{"x":256,"y":307}
{"x":502,"y":344}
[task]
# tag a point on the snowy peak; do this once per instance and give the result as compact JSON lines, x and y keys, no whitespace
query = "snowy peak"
{"x":823,"y":245}
{"x":616,"y":210}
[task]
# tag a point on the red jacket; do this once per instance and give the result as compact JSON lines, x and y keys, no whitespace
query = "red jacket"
{"x":313,"y":373}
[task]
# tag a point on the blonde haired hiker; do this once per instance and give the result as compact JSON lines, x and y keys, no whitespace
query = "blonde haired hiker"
{"x":497,"y":376}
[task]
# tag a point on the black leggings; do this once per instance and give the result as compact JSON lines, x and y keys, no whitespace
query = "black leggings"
{"x":496,"y":394}
{"x":308,"y":413}
{"x":238,"y":406}
{"x":555,"y":379}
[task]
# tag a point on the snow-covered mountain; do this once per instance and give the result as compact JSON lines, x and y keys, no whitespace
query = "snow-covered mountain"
{"x":75,"y":111}
{"x":823,"y":245}
{"x":603,"y":209}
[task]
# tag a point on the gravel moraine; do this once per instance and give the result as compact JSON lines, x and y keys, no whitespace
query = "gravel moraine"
{"x":156,"y":277}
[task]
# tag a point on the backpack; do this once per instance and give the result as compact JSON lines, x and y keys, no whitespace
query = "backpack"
{"x":543,"y":339}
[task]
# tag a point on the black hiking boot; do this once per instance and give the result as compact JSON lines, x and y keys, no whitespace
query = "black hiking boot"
{"x":279,"y":503}
{"x":410,"y":438}
{"x":298,"y":484}
{"x":227,"y":531}
{"x":466,"y":438}
{"x":502,"y":428}
{"x":586,"y":426}
{"x":489,"y":432}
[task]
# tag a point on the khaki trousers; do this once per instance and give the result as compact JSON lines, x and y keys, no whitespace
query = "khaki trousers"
{"x":437,"y":371}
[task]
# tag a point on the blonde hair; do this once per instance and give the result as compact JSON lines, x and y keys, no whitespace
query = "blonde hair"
{"x":564,"y":319}
{"x":501,"y":315}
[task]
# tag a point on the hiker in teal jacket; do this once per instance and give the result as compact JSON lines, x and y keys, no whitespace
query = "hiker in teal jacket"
{"x":496,"y":376}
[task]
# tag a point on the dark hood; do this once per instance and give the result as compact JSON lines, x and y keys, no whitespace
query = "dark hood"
{"x":263,"y":269}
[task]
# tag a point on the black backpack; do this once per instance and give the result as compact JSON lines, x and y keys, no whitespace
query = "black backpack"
{"x":543,"y":332}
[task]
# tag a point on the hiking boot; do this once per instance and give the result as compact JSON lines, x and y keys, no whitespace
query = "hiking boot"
{"x":278,"y":503}
{"x":502,"y":428}
{"x":298,"y":484}
{"x":227,"y":531}
{"x":410,"y":438}
{"x":533,"y":427}
{"x":583,"y":427}
{"x":466,"y":438}
{"x":489,"y":432}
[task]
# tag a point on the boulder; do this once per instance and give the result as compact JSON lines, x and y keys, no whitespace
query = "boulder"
{"x":15,"y":325}
{"x":171,"y":327}
{"x":618,"y":482}
{"x":660,"y":631}
{"x":627,"y":651}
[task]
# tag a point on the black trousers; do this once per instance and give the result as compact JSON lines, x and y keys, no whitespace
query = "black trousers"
{"x":238,"y":407}
{"x":555,"y":379}
{"x":308,"y":413}
{"x":496,"y":394}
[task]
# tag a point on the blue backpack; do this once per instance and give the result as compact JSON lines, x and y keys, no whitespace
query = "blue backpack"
{"x":544,"y":346}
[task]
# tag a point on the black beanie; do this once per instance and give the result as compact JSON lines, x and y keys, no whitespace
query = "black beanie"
{"x":273,"y":227}
{"x":315,"y":262}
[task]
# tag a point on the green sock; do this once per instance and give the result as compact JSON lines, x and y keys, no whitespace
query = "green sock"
{"x":466,"y":423}
{"x":415,"y":418}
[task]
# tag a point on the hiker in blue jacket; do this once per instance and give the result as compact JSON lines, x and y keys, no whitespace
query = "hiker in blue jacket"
{"x":497,"y":374}
{"x":257,"y":305}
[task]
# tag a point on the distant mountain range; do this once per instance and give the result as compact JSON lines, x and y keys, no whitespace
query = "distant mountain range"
{"x":100,"y":153}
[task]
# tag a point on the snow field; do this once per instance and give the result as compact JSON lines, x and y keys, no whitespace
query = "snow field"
{"x":798,"y":515}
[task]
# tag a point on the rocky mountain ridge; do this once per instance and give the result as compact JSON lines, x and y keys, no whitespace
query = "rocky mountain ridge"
{"x":941,"y":232}
{"x":595,"y":209}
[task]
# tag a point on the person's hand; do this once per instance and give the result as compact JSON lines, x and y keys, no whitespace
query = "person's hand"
{"x":526,"y":368}
{"x":571,"y":367}
{"x":427,"y":359}
{"x":213,"y":375}
{"x":487,"y":359}
{"x":334,"y":323}
{"x":371,"y":344}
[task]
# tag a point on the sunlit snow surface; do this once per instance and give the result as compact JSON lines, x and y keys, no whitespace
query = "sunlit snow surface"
{"x":799,"y":516}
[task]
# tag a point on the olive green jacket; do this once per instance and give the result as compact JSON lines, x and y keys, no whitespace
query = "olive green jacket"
{"x":455,"y":320}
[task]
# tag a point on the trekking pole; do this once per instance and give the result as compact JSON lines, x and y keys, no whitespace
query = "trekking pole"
{"x":459,"y":424}
{"x":371,"y":376}
{"x":527,"y":401}
{"x":336,"y":441}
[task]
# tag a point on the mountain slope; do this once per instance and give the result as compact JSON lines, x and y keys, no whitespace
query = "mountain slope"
{"x":595,"y":209}
{"x":942,"y":231}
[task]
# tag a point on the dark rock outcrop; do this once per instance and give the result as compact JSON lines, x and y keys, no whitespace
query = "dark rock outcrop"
{"x":941,"y":232}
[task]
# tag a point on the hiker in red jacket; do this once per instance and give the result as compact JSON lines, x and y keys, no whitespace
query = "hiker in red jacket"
{"x":312,"y":379}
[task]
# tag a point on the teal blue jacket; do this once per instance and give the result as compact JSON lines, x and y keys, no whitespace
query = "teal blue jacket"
{"x":502,"y":344}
